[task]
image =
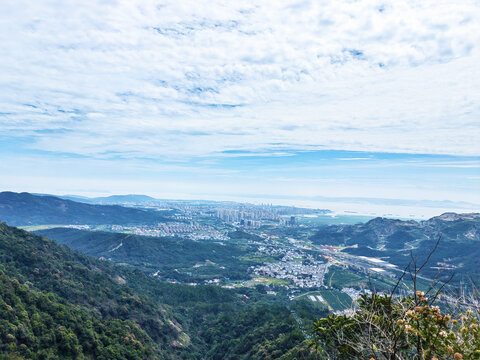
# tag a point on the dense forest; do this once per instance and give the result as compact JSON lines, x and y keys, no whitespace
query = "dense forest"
{"x":37,"y":325}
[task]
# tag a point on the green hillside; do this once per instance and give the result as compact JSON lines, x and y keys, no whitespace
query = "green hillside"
{"x":179,"y":259}
{"x":39,"y":325}
{"x":59,"y":304}
{"x":458,"y":250}
{"x":74,"y":291}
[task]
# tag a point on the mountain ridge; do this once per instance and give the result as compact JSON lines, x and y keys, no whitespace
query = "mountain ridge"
{"x":22,"y":209}
{"x":393,"y":240}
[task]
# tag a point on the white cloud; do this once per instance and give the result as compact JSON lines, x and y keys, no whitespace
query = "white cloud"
{"x":182,"y":78}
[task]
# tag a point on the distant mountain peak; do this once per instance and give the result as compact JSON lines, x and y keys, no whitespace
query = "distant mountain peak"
{"x":451,"y":216}
{"x":380,"y":221}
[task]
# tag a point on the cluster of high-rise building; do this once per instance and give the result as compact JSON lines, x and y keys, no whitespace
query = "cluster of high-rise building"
{"x":254,"y":217}
{"x":237,"y":215}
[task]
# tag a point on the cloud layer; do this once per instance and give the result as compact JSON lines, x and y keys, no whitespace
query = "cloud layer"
{"x":176,"y":79}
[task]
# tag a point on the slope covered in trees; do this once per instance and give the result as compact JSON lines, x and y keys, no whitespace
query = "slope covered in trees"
{"x":56,"y":303}
{"x":37,"y":325}
{"x":79,"y":282}
{"x":164,"y":256}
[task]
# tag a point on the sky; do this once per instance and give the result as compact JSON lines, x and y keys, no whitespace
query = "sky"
{"x":354,"y":105}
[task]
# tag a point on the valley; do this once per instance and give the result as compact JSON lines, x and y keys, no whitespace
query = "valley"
{"x":214,"y":280}
{"x":240,"y":245}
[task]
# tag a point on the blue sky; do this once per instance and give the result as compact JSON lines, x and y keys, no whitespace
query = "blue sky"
{"x":272,"y":100}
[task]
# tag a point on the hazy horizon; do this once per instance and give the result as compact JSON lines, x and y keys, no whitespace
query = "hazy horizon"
{"x":372,"y":207}
{"x":293,"y":101}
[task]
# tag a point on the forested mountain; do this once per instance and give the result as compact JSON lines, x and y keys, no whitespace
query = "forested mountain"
{"x":59,"y":304}
{"x":80,"y":303}
{"x":41,"y":325}
{"x":154,"y":254}
{"x":393,"y":240}
{"x":20,"y":209}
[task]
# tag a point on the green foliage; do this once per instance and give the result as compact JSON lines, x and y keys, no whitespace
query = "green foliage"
{"x":405,"y":328}
{"x":35,"y":325}
{"x":308,"y":310}
{"x":79,"y":282}
{"x":77,"y":279}
{"x":331,"y":334}
{"x":339,"y":278}
{"x":336,"y":299}
{"x":162,"y":255}
{"x":437,"y":335}
{"x":57,"y":303}
{"x":261,"y":333}
{"x":242,"y":235}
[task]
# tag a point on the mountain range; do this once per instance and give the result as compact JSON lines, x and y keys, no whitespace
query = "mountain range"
{"x":22,"y":209}
{"x":395,"y":241}
{"x":57,"y":303}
